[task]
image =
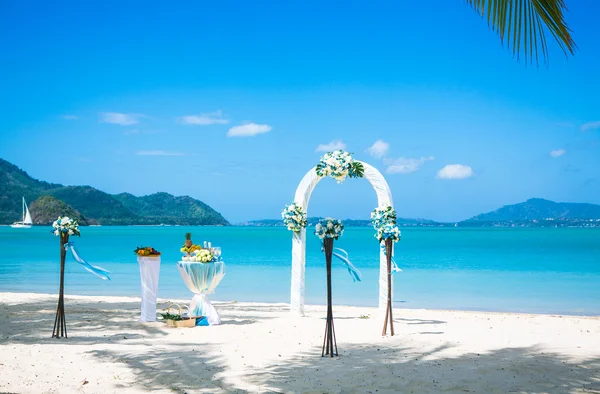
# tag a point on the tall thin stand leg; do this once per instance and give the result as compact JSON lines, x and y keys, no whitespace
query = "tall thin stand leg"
{"x":60,"y":323}
{"x":329,"y":342}
{"x":388,"y":312}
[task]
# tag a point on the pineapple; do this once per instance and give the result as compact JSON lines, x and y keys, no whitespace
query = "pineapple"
{"x":188,"y":240}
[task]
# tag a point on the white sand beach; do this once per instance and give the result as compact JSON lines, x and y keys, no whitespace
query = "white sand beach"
{"x":261,"y":348}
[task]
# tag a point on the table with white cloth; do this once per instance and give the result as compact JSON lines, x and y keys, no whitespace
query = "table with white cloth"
{"x":149,"y":273}
{"x":202,"y":279}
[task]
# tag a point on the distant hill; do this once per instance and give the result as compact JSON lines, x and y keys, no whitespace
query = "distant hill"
{"x":93,"y":203}
{"x":535,"y":212}
{"x":538,"y":211}
{"x":348,"y":222}
{"x":538,"y":208}
{"x":14,"y":184}
{"x":46,"y":209}
{"x":168,"y":209}
{"x":93,"y":206}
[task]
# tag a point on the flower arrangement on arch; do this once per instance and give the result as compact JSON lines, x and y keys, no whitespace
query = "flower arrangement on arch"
{"x":388,"y":231}
{"x":383,"y":220}
{"x":329,"y":228}
{"x":294,"y":217}
{"x":382,"y":216}
{"x":339,"y":165}
{"x":65,"y":225}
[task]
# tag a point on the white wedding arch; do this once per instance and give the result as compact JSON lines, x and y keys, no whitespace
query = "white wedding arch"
{"x":302,"y":197}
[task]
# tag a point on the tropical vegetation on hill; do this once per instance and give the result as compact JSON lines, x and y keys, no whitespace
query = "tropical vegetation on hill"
{"x":93,"y":206}
{"x":46,"y":209}
{"x":538,"y":210}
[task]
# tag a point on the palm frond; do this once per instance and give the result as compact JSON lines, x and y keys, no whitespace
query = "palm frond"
{"x":522,"y":24}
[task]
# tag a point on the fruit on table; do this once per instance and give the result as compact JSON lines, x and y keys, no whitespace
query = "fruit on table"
{"x":146,"y":251}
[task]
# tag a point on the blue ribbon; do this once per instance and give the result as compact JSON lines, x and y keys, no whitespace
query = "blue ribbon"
{"x":98,"y":271}
{"x":395,"y":267}
{"x":343,"y":256}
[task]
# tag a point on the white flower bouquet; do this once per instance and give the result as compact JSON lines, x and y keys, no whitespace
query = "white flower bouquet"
{"x":294,"y":217}
{"x":382,"y":216}
{"x":388,"y":231}
{"x":65,"y":225}
{"x":202,"y":256}
{"x":339,"y":165}
{"x":329,"y":228}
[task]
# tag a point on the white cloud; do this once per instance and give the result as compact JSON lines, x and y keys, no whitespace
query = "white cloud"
{"x":70,"y":117}
{"x":379,"y":149}
{"x":455,"y":171}
{"x":590,"y":126}
{"x":403,"y":165}
{"x":158,"y":153}
{"x":119,"y":118}
{"x":333,"y":145}
{"x":248,"y":130}
{"x":204,"y":119}
{"x":557,"y":152}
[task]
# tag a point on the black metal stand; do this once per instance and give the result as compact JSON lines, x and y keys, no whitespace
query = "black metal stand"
{"x":329,"y":343}
{"x":60,"y":324}
{"x":388,"y":312}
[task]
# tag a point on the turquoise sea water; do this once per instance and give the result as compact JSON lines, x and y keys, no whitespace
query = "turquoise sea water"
{"x":521,"y":270}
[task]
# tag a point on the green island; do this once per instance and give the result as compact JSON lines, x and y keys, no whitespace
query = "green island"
{"x":91,"y":206}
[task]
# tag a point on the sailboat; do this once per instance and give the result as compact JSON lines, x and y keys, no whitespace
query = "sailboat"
{"x":26,"y":222}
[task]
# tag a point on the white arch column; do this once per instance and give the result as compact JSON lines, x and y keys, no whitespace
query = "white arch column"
{"x":302,"y":197}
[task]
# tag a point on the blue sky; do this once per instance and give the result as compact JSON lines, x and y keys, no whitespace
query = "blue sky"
{"x":228,"y":102}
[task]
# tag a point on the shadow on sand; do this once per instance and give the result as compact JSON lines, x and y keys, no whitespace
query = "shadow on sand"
{"x":384,"y":366}
{"x":386,"y":370}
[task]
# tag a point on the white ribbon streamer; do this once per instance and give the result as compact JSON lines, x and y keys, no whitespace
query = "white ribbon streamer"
{"x":98,"y":271}
{"x":354,"y":272}
{"x":395,"y":267}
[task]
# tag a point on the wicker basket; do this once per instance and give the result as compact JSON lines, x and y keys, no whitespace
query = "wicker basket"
{"x":186,"y":322}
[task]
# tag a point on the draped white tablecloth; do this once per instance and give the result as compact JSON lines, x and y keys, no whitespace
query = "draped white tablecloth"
{"x":149,"y":272}
{"x":202,"y":279}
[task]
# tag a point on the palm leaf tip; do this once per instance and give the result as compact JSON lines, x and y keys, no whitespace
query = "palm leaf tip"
{"x":523,"y":24}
